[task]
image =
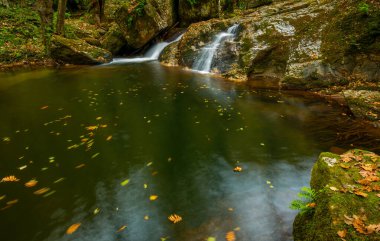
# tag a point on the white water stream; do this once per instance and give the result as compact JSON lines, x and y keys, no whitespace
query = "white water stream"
{"x":204,"y":61}
{"x":152,"y":54}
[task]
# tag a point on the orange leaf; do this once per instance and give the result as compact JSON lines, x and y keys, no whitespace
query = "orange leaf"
{"x":31,"y":183}
{"x":175,"y":218}
{"x":238,"y":169}
{"x":230,"y":236}
{"x":10,"y":179}
{"x":359,"y":193}
{"x":91,"y":128}
{"x":73,"y":228}
{"x":42,"y":191}
{"x":342,"y":233}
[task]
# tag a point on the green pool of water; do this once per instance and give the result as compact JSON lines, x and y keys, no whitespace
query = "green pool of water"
{"x":100,"y":141}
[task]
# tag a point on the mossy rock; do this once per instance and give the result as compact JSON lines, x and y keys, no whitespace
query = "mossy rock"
{"x":114,"y":40}
{"x":78,"y":52}
{"x":141,"y":23}
{"x":347,"y":203}
{"x":364,"y":104}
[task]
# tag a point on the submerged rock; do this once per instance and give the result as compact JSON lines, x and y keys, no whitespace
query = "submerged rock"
{"x":78,"y":52}
{"x":347,"y":201}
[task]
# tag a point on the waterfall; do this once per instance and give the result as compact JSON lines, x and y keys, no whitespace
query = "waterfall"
{"x":152,"y":54}
{"x":204,"y":61}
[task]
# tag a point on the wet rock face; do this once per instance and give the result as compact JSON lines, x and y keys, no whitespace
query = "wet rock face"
{"x":114,"y":40}
{"x":140,"y":23}
{"x":298,"y":44}
{"x":192,"y":11}
{"x":78,"y":52}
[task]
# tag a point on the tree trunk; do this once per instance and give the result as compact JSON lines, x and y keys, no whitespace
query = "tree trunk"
{"x":101,"y":9}
{"x":45,"y":10}
{"x":61,"y":16}
{"x":4,"y":3}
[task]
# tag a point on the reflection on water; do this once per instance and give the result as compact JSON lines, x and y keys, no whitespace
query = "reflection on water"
{"x":171,"y":133}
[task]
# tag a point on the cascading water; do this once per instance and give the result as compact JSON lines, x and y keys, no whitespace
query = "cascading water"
{"x":152,"y":54}
{"x":205,"y":59}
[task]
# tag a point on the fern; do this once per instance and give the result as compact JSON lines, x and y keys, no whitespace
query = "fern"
{"x":306,"y":203}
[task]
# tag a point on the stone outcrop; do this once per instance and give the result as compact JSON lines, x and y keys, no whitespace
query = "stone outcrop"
{"x":346,"y":206}
{"x":143,"y":21}
{"x":364,"y":104}
{"x":294,"y":44}
{"x":78,"y":52}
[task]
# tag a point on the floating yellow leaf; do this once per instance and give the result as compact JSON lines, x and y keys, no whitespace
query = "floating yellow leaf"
{"x":10,"y":179}
{"x":175,"y":218}
{"x":149,"y":164}
{"x":42,"y":191}
{"x":145,"y":186}
{"x":12,"y":202}
{"x":44,"y":107}
{"x":211,"y":239}
{"x":73,"y":228}
{"x":125,"y":182}
{"x":146,"y":217}
{"x":121,"y":228}
{"x":91,"y":128}
{"x":80,"y":166}
{"x":109,"y":138}
{"x":153,"y":197}
{"x":99,"y":118}
{"x":31,"y":183}
{"x":238,"y":169}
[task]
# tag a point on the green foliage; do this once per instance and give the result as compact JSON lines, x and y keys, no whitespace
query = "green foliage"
{"x":192,"y":2}
{"x":363,"y":8}
{"x":140,"y":7}
{"x":306,"y":202}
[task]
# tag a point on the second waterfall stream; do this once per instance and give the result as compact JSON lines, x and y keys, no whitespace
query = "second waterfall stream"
{"x":204,"y":61}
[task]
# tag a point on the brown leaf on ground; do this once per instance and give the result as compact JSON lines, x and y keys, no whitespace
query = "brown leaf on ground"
{"x":369,"y":167}
{"x":373,"y":228}
{"x":359,"y":225}
{"x":362,"y":194}
{"x":73,"y":228}
{"x":344,"y":166}
{"x":376,"y":187}
{"x":230,"y":236}
{"x":342,"y":233}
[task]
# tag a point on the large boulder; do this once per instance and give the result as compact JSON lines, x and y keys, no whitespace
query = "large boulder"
{"x":346,"y":206}
{"x":114,"y":40}
{"x":142,"y":21}
{"x":74,"y":51}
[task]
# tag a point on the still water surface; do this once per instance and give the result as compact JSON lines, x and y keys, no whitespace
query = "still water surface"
{"x":178,"y":135}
